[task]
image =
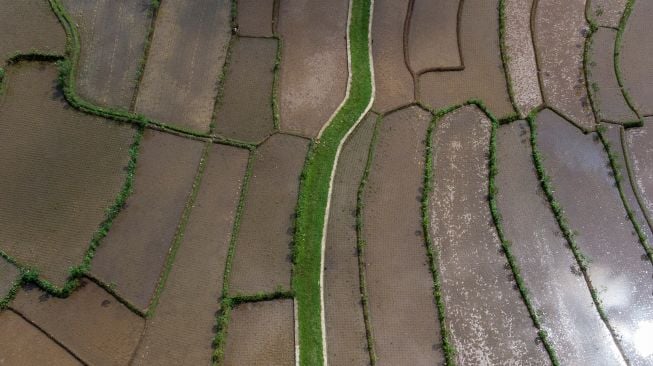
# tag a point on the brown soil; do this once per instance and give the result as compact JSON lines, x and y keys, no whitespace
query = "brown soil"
{"x":262,"y":259}
{"x":261,"y":334}
{"x":483,"y":77}
{"x":521,"y":63}
{"x":29,"y":25}
{"x":487,"y":318}
{"x":132,"y":254}
{"x":400,"y":286}
{"x":607,"y":13}
{"x":605,"y":90}
{"x":549,"y":269}
{"x":313,"y":78}
{"x":433,"y":37}
{"x":8,"y":276}
{"x":393,"y":81}
{"x":112,"y":36}
{"x":345,"y":326}
{"x":62,"y":170}
{"x":255,"y":17}
{"x":23,"y":344}
{"x":640,"y":148}
{"x":246,"y":112}
{"x":181,"y":330}
{"x":559,"y":35}
{"x":580,"y":173}
{"x":91,"y":323}
{"x":637,"y":56}
{"x":185,"y":61}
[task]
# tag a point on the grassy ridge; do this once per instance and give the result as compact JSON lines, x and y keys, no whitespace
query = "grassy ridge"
{"x":314,"y":190}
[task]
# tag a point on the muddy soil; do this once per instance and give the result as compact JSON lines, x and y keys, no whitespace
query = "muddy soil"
{"x":255,"y":17}
{"x":637,"y":57}
{"x":640,"y":152}
{"x":131,"y":256}
{"x":9,"y":274}
{"x":400,"y":286}
{"x":345,"y":326}
{"x":607,"y":13}
{"x":62,"y":170}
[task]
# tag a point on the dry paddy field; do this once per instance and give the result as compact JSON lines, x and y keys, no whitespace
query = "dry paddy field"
{"x":220,"y":182}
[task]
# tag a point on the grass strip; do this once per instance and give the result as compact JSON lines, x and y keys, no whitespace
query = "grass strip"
{"x":315,"y":186}
{"x":505,"y":59}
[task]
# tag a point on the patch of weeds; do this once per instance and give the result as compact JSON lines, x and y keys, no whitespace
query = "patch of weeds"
{"x":504,"y":54}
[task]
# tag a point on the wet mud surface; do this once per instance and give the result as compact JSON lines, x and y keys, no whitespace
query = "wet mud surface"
{"x":255,"y":17}
{"x":640,"y":147}
{"x":607,"y":13}
{"x":637,"y":57}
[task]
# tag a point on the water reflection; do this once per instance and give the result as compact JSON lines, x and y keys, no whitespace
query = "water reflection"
{"x":643,"y":338}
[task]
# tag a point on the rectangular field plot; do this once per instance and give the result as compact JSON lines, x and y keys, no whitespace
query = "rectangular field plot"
{"x":181,"y":330}
{"x":261,"y":334}
{"x":185,"y":61}
{"x":112,"y":34}
{"x":91,"y":323}
{"x":61,"y":170}
{"x":29,"y":25}
{"x":132,"y":254}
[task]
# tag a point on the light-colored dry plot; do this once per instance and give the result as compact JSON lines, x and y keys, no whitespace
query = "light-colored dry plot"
{"x":400,"y":286}
{"x":261,"y":334}
{"x":607,"y":13}
{"x":392,"y":79}
{"x":181,"y":330}
{"x":521,"y":64}
{"x":487,"y":319}
{"x":483,"y":77}
{"x":61,"y":170}
{"x":9,"y":274}
{"x":606,"y":93}
{"x":559,"y":35}
{"x":579,"y":171}
{"x":262,"y":259}
{"x":640,"y":154}
{"x":132,"y":254}
{"x":557,"y":288}
{"x":313,"y":76}
{"x":433,"y":35}
{"x":23,"y":344}
{"x":255,"y":17}
{"x":185,"y":61}
{"x":91,"y":323}
{"x":112,"y":34}
{"x":29,"y":25}
{"x":345,"y":326}
{"x":246,"y":108}
{"x":637,"y":56}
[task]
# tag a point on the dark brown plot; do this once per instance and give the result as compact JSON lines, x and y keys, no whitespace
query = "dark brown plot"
{"x":639,"y":145}
{"x":61,"y":170}
{"x":29,"y":25}
{"x":483,"y":77}
{"x":132,"y":254}
{"x":393,"y":81}
{"x":9,"y":274}
{"x":637,"y":57}
{"x":433,"y":35}
{"x":246,"y":111}
{"x":345,"y":326}
{"x":313,"y":78}
{"x":557,"y":288}
{"x":181,"y":330}
{"x":608,"y":99}
{"x":559,"y":34}
{"x":487,"y":319}
{"x":400,"y":286}
{"x":261,"y":334}
{"x":185,"y":61}
{"x":255,"y":17}
{"x":91,"y":323}
{"x":262,"y":259}
{"x":607,"y":13}
{"x":112,"y":34}
{"x":23,"y":344}
{"x":579,"y":171}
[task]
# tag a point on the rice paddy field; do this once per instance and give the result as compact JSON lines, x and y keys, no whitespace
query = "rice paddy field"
{"x":326,"y":182}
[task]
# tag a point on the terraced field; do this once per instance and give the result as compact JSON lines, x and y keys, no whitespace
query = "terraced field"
{"x":346,"y":182}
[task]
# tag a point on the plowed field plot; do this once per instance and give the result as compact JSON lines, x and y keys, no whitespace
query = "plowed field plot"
{"x":255,"y":17}
{"x":112,"y":36}
{"x":62,"y":170}
{"x":637,"y":57}
{"x":27,"y":26}
{"x":184,"y":62}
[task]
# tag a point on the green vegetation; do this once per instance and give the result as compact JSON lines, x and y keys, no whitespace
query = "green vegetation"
{"x":504,"y":54}
{"x":617,"y":62}
{"x":315,"y":186}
